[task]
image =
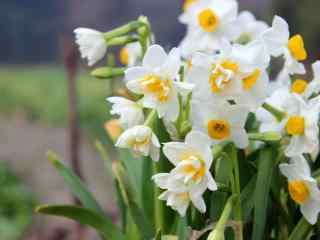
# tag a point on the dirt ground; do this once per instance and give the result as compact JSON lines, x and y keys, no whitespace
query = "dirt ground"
{"x":24,"y":146}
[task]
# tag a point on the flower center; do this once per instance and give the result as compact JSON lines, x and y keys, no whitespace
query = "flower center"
{"x":250,"y":81}
{"x":295,"y":125}
{"x":197,"y":171}
{"x":299,"y":191}
{"x":296,"y":47}
{"x":219,"y":129}
{"x":124,"y":56}
{"x":187,"y":4}
{"x":299,"y":86}
{"x":208,"y":20}
{"x":222,"y":74}
{"x":158,"y":86}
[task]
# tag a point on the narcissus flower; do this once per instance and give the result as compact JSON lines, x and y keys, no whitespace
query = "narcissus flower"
{"x":131,"y":113}
{"x":156,"y":81}
{"x":249,"y":28}
{"x":141,"y":140}
{"x":237,"y":73}
{"x":191,"y":175}
{"x":302,"y":187}
{"x":221,"y":122}
{"x":278,"y":42}
{"x":208,"y":22}
{"x":300,"y":123}
{"x":305,"y":88}
{"x":92,"y":44}
{"x":130,"y":54}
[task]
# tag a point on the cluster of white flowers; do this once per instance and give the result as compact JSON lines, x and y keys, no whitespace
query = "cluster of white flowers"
{"x":212,"y":81}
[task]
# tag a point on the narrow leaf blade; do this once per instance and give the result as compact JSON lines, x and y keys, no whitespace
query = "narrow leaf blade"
{"x":86,"y":217}
{"x":75,"y":184}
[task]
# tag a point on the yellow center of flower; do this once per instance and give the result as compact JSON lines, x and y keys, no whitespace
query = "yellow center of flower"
{"x":187,"y":4}
{"x":295,"y":126}
{"x":197,"y":173}
{"x":219,"y":129}
{"x":208,"y":20}
{"x":250,"y":81}
{"x":124,"y":56}
{"x":220,"y":76}
{"x":158,"y":86}
{"x":299,"y":86}
{"x":296,"y":47}
{"x":299,"y":191}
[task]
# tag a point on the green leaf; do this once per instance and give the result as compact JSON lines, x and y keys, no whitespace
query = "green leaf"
{"x":129,"y":197}
{"x":247,"y":198}
{"x":158,"y":236}
{"x":86,"y":217}
{"x":147,"y":195}
{"x":301,"y":231}
{"x":75,"y":184}
{"x":263,"y":184}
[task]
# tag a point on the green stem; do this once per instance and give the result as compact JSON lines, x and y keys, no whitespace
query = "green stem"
{"x":158,"y":205}
{"x":218,"y":232}
{"x":125,"y":29}
{"x":301,"y":231}
{"x":237,"y":191}
{"x":121,"y":40}
{"x":151,"y":118}
{"x":265,"y":137}
{"x":278,"y":114}
{"x":108,"y":72}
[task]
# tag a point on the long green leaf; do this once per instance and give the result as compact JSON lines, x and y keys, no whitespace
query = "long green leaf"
{"x":144,"y":226}
{"x":247,"y":198}
{"x":86,"y":217}
{"x":264,"y":177}
{"x":75,"y":184}
{"x":301,"y":231}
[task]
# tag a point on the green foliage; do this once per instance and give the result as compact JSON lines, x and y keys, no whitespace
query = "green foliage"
{"x":86,"y":217}
{"x":16,"y":203}
{"x":41,"y":94}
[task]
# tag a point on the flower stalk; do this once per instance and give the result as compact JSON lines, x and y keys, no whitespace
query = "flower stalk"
{"x":125,"y":29}
{"x":278,"y":114}
{"x":218,"y":231}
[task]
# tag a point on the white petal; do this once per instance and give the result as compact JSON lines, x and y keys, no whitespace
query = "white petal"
{"x":155,"y":57}
{"x":316,"y":70}
{"x":200,"y":142}
{"x":310,"y":210}
{"x":135,"y":73}
{"x":183,"y":88}
{"x":212,"y":185}
{"x":199,"y":203}
{"x":172,"y":65}
{"x":240,"y":137}
{"x":174,"y":150}
{"x":161,"y":180}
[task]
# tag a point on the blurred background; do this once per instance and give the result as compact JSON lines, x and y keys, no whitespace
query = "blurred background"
{"x":39,"y":63}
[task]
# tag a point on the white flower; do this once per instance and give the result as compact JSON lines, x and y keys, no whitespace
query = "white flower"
{"x":221,"y":122}
{"x":131,"y":113}
{"x":237,"y":73}
{"x":278,"y":99}
{"x":208,"y":22}
{"x":130,"y":54}
{"x":156,"y":80}
{"x":278,"y":42}
{"x":302,"y":187}
{"x":249,"y":28}
{"x":300,"y":124}
{"x":191,"y":175}
{"x":305,"y":89}
{"x":92,"y":44}
{"x":141,"y":140}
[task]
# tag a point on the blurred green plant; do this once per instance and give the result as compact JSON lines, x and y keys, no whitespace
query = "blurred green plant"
{"x":40,"y":94}
{"x":16,"y":204}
